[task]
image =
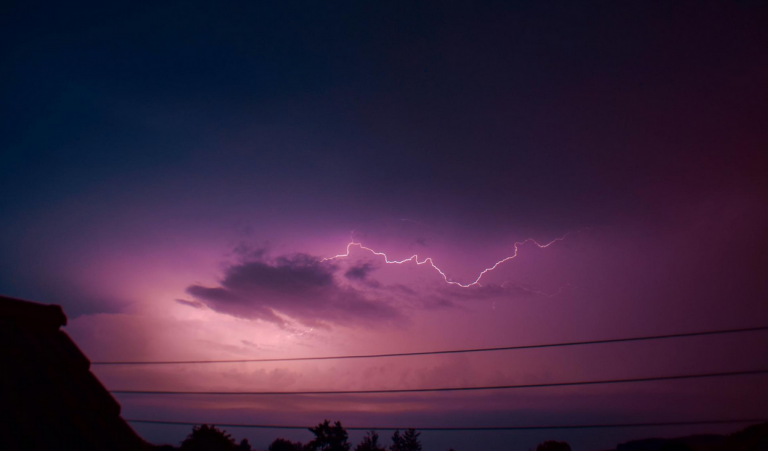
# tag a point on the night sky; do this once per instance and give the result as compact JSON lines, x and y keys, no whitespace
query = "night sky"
{"x":175,"y":173}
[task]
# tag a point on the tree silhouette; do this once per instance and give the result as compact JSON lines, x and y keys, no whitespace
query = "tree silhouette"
{"x":397,"y":442}
{"x":370,"y":443}
{"x":552,"y":445}
{"x":282,"y":444}
{"x":208,"y":438}
{"x":409,"y":441}
{"x":329,"y":438}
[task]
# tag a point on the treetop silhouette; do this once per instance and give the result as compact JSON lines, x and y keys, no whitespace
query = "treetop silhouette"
{"x":209,"y":438}
{"x":281,"y":444}
{"x":329,"y":438}
{"x":370,"y":443}
{"x":409,"y":441}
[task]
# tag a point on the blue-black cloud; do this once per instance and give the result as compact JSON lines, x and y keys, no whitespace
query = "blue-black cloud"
{"x":299,"y":286}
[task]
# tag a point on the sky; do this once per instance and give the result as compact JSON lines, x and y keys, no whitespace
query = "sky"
{"x":185,"y":180}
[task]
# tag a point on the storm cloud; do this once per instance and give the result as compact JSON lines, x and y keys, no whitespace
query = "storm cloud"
{"x":359,"y":272}
{"x":299,"y":286}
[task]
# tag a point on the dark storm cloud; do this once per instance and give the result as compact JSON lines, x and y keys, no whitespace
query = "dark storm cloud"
{"x":359,"y":272}
{"x":300,"y":274}
{"x":299,"y":286}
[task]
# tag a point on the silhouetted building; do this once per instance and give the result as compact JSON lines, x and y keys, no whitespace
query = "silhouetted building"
{"x":50,"y":398}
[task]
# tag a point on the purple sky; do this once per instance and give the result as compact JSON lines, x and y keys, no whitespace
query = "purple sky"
{"x":174,"y":175}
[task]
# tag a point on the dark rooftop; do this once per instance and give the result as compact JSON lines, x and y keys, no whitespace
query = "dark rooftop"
{"x":51,"y":398}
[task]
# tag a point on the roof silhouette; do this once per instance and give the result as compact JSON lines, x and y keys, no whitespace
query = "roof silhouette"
{"x":50,"y":397}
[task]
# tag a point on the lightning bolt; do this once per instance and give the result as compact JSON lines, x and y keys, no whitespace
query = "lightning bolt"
{"x":429,"y":261}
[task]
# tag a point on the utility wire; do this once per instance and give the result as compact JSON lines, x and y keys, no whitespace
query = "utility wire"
{"x":470,"y":428}
{"x":456,"y":351}
{"x":447,"y":389}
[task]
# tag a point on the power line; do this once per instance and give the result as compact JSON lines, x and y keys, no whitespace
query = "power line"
{"x":462,"y":428}
{"x":447,"y":389}
{"x":456,"y":351}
